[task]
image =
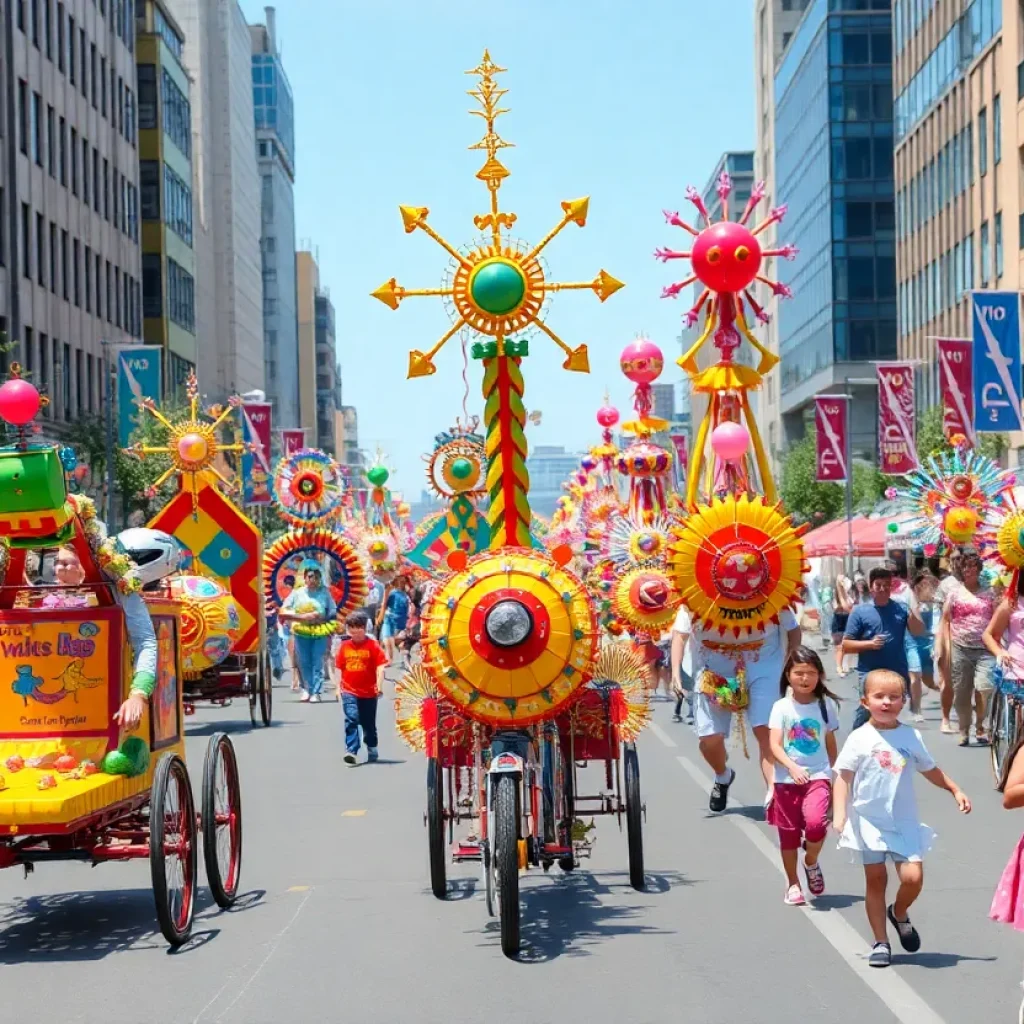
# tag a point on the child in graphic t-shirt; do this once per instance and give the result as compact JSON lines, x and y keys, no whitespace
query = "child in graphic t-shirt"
{"x":362,"y":662}
{"x":802,"y":731}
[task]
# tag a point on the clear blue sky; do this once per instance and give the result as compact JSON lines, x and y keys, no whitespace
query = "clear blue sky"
{"x":626,"y":103}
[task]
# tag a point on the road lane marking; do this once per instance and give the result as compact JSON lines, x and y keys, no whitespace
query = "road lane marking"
{"x":274,"y":943}
{"x":899,"y":998}
{"x":299,"y":888}
{"x":661,"y":734}
{"x":353,"y":814}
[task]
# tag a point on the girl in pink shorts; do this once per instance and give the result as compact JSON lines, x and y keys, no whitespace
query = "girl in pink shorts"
{"x":802,"y":733}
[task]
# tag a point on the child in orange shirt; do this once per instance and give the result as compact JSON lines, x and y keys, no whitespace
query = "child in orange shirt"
{"x":362,"y":662}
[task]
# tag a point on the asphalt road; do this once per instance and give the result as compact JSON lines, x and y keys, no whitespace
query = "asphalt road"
{"x":337,"y":922}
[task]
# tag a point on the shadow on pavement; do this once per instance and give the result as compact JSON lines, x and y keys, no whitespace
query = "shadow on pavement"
{"x":566,"y":918}
{"x":82,"y":926}
{"x":937,"y":961}
{"x":836,"y":901}
{"x":232,"y":728}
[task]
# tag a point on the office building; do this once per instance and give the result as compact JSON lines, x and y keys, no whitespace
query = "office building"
{"x":663,"y":398}
{"x":69,"y":201}
{"x":275,"y":155}
{"x":165,"y":189}
{"x":226,"y":197}
{"x":328,"y":380}
{"x":549,"y":468}
{"x":958,"y":85}
{"x":349,"y":453}
{"x":307,"y":276}
{"x":833,"y":168}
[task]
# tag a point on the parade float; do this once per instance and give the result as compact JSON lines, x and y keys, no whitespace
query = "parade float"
{"x":74,"y":784}
{"x":737,"y":559}
{"x":510,"y":643}
{"x":225,"y":626}
{"x":309,"y":489}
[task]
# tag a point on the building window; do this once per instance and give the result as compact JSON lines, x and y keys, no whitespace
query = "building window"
{"x":152,"y":285}
{"x":997,"y":230}
{"x":64,"y":262}
{"x":997,"y":130}
{"x":60,"y":37}
{"x":147,"y":95}
{"x":178,"y":201}
{"x":85,"y":170}
{"x":983,"y":142}
{"x":26,"y":241}
{"x":174,"y":42}
{"x":53,"y":257}
{"x":93,"y":73}
{"x":95,"y":179}
{"x":180,"y":296}
{"x":35,"y":23}
{"x":3,"y":240}
{"x":88,"y":280}
{"x":106,"y":188}
{"x":23,"y":116}
{"x":177,"y":114}
{"x":74,"y":162}
{"x":985,"y":267}
{"x":149,"y":189}
{"x":99,"y":289}
{"x":103,"y":86}
{"x":108,"y":290}
{"x":83,"y":67}
{"x":66,"y":382}
{"x":129,"y":115}
{"x":79,"y":382}
{"x":117,"y":298}
{"x":76,"y":256}
{"x":51,"y":141}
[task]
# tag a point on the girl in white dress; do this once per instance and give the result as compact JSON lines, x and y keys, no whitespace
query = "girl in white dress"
{"x":875,"y":810}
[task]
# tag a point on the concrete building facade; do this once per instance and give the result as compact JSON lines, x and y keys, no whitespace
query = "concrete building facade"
{"x":307,"y":276}
{"x":328,"y":380}
{"x":275,"y":154}
{"x":226,"y":197}
{"x":69,"y":203}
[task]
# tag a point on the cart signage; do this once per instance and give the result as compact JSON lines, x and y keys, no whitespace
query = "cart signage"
{"x":54,"y":678}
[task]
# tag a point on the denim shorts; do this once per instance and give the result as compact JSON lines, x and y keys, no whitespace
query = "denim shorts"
{"x":878,"y":857}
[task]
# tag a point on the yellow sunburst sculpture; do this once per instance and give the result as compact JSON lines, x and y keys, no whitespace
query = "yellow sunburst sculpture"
{"x":737,"y":563}
{"x":511,"y":638}
{"x":646,"y":598}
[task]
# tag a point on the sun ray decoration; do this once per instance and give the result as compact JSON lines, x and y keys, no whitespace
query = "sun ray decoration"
{"x":497,"y":291}
{"x":192,"y":444}
{"x":308,"y":486}
{"x":726,"y":258}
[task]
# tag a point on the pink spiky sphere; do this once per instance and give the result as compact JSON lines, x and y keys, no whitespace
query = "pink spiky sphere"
{"x":607,"y":416}
{"x":729,"y":441}
{"x":19,"y":402}
{"x":726,"y":257}
{"x":642,"y":361}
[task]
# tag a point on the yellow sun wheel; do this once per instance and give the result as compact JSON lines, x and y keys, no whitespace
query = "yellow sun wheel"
{"x":1010,"y":539}
{"x":511,"y":638}
{"x":737,"y":563}
{"x":646,"y":599}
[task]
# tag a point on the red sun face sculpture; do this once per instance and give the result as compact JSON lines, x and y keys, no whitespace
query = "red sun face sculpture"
{"x":726,"y":257}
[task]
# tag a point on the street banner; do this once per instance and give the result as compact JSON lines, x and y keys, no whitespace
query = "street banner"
{"x":680,"y":443}
{"x":897,"y":448}
{"x":955,"y":372}
{"x":830,"y":422}
{"x":256,"y":464}
{"x":139,"y":376}
{"x":293,"y":440}
{"x":995,"y":331}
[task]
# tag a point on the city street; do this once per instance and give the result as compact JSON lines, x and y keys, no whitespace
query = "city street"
{"x":337,"y":921}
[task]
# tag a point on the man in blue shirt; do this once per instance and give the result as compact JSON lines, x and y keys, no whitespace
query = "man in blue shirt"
{"x":877,"y":633}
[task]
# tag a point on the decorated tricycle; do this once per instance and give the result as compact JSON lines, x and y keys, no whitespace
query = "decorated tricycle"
{"x":91,"y":720}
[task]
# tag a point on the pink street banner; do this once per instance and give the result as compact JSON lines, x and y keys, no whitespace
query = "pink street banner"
{"x":293,"y":441}
{"x":956,"y":377}
{"x":830,"y":421}
{"x":256,"y":464}
{"x":897,"y":447}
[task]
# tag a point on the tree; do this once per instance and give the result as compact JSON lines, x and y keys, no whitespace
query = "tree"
{"x":931,"y":439}
{"x":806,"y":499}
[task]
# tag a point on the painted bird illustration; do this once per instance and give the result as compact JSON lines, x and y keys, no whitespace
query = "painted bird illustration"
{"x":74,"y":679}
{"x":25,"y":682}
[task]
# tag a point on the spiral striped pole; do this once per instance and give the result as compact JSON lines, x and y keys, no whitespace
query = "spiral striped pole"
{"x":508,"y":481}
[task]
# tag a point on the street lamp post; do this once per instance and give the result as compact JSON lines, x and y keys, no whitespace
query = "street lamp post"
{"x":849,"y":382}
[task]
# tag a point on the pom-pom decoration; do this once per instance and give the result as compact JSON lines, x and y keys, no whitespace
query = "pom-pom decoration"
{"x":737,"y":563}
{"x":632,"y":540}
{"x":345,"y":568}
{"x":309,"y":487}
{"x":210,"y":623}
{"x":616,"y":700}
{"x":510,"y":638}
{"x":646,"y":599}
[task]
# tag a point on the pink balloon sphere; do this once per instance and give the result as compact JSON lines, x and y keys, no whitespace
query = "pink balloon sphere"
{"x":19,"y":402}
{"x":641,"y":361}
{"x":607,"y":416}
{"x":729,"y":441}
{"x":192,"y":448}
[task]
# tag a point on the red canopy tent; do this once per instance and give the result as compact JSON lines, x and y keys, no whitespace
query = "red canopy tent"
{"x":869,"y":538}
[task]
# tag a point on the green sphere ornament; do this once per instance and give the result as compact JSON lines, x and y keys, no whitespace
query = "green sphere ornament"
{"x":498,"y":288}
{"x":893,"y":527}
{"x":461,"y":468}
{"x":377,"y":475}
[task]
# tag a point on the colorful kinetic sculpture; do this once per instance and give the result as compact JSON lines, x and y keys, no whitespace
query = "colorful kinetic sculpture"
{"x":509,"y":637}
{"x":727,"y":259}
{"x":308,"y":487}
{"x":210,"y":623}
{"x":455,"y":472}
{"x":951,"y":495}
{"x":192,"y":444}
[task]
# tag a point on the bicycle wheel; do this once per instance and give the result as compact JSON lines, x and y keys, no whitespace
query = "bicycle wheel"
{"x":173,"y":848}
{"x":435,"y":828}
{"x":634,"y":828}
{"x":222,"y":820}
{"x":506,"y":859}
{"x":1001,"y":725}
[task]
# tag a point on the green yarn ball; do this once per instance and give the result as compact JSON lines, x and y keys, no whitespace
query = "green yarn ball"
{"x":131,"y":759}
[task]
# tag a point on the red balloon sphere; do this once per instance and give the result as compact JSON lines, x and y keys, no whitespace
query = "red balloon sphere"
{"x":607,"y":416}
{"x":726,"y":257}
{"x":19,"y":402}
{"x":642,"y":361}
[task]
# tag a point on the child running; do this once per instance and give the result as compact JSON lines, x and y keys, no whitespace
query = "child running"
{"x":802,"y":731}
{"x":875,"y":810}
{"x":362,"y":662}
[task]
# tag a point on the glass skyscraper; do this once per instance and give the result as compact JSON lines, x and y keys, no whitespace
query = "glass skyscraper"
{"x":834,"y":169}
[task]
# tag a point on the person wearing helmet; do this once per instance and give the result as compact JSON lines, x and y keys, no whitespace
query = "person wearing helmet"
{"x":310,"y":610}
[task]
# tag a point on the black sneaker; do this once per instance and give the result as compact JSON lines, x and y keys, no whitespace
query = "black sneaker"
{"x":350,"y":760}
{"x":720,"y":795}
{"x":909,"y":939}
{"x":677,"y":718}
{"x":881,"y":955}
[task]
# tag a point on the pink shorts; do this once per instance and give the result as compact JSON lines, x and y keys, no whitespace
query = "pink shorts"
{"x":800,"y":812}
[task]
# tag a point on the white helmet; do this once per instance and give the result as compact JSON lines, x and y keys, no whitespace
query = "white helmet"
{"x":155,"y":553}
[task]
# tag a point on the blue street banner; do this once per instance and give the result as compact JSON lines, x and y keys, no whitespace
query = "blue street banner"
{"x":995,"y":331}
{"x":256,"y":464}
{"x":139,"y":376}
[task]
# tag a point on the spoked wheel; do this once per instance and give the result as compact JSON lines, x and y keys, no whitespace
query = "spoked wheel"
{"x":634,"y":828}
{"x":506,"y":859}
{"x":173,"y":848}
{"x":486,"y":860}
{"x":222,"y":820}
{"x":435,"y":828}
{"x":252,"y":685}
{"x":265,"y":681}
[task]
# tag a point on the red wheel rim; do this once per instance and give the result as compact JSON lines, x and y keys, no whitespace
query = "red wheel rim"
{"x":178,"y":873}
{"x":225,"y":811}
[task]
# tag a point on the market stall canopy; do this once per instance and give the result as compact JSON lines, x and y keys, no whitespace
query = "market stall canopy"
{"x":870,"y":537}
